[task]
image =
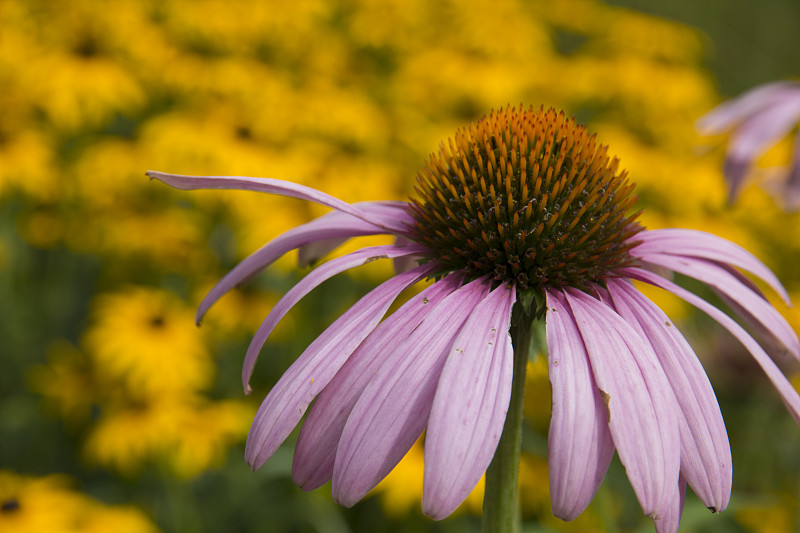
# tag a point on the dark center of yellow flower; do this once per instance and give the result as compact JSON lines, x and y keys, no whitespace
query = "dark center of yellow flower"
{"x":86,"y":46}
{"x":529,"y":198}
{"x":9,"y":506}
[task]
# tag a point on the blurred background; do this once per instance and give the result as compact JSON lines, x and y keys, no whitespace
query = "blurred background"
{"x":118,"y":414}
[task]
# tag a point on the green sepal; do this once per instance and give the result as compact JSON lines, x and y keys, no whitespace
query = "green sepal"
{"x":525,"y":298}
{"x":532,"y":304}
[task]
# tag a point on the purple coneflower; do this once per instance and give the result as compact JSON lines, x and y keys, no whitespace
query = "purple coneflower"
{"x":521,"y":217}
{"x":757,"y":120}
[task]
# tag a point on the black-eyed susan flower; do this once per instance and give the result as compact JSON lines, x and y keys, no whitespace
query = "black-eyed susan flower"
{"x":523,"y":216}
{"x":141,"y":341}
{"x":757,"y":120}
{"x":152,"y":370}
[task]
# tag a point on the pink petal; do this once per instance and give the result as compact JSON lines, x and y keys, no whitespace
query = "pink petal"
{"x":267,"y":185}
{"x":779,"y":353}
{"x":727,"y":115}
{"x":270,"y":186}
{"x":310,"y":253}
{"x":334,"y":226}
{"x":316,"y":446}
{"x":763,"y":129}
{"x":312,"y":280}
{"x":470,"y":405}
{"x":754,"y":137}
{"x":784,"y":387}
{"x":693,"y":243}
{"x":285,"y":404}
{"x":671,"y":520}
{"x":393,"y":410}
{"x":579,"y":443}
{"x":642,"y":407}
{"x":392,"y":215}
{"x":720,"y":279}
{"x":705,"y":450}
{"x":401,"y":264}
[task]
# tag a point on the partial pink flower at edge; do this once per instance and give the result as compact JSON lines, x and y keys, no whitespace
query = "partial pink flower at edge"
{"x":756,"y":121}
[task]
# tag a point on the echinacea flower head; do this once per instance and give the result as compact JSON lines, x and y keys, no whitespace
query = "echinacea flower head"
{"x":525,"y":198}
{"x":522,"y":213}
{"x":756,"y":121}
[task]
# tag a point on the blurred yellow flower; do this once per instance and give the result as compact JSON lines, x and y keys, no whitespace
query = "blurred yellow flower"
{"x":432,"y":81}
{"x":207,"y":139}
{"x":81,"y":64}
{"x":143,"y":367}
{"x":125,"y":234}
{"x":66,"y":382}
{"x":185,"y":434}
{"x":49,"y":504}
{"x":145,"y":340}
{"x":345,"y":118}
{"x":654,"y":37}
{"x":127,"y":436}
{"x":101,"y":188}
{"x":216,"y":27}
{"x":657,"y":170}
{"x":27,"y":158}
{"x":206,"y":433}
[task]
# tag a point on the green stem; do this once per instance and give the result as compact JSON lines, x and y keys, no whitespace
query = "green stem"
{"x":500,"y":505}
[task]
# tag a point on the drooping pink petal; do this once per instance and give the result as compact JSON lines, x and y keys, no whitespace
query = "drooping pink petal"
{"x":705,"y":451}
{"x":393,"y":410}
{"x":693,"y":243}
{"x":736,"y":273}
{"x":393,"y":215}
{"x":470,"y":405}
{"x":765,"y":128}
{"x":270,"y":186}
{"x":788,"y":394}
{"x":335,"y":226}
{"x":726,"y":115}
{"x":641,"y":405}
{"x":310,"y":253}
{"x":756,"y":134}
{"x":579,"y":443}
{"x":312,"y":280}
{"x":720,"y":279}
{"x":671,"y":519}
{"x":315,"y":450}
{"x":285,"y":404}
{"x":401,"y":264}
{"x":779,"y":353}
